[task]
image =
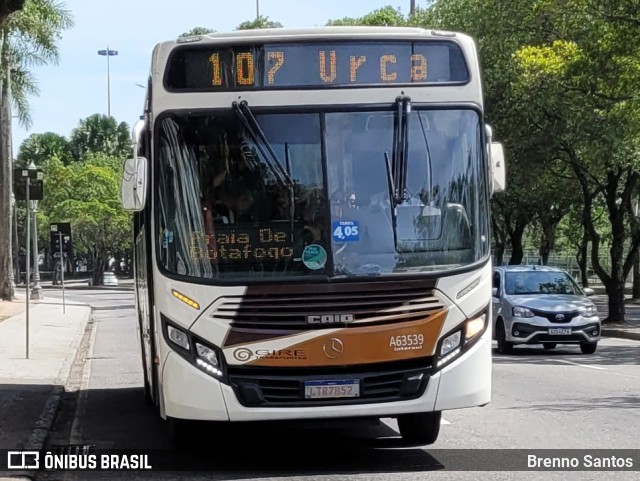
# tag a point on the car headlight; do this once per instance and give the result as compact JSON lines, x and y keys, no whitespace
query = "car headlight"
{"x":589,"y":311}
{"x":461,"y":338}
{"x":522,"y":312}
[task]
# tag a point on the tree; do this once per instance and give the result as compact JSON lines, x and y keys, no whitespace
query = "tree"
{"x":260,"y":22}
{"x":29,"y":38}
{"x":39,"y":148}
{"x":563,"y":77}
{"x":583,"y":86}
{"x":87,"y":194}
{"x":387,"y":16}
{"x":101,"y":134}
{"x":197,"y":31}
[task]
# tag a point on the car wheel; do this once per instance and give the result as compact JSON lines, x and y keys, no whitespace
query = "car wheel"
{"x":420,"y":428}
{"x":550,"y":345}
{"x":589,"y":348}
{"x":504,"y":346}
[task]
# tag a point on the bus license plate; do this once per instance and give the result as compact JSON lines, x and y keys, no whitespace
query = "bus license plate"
{"x":332,"y":389}
{"x":560,"y":331}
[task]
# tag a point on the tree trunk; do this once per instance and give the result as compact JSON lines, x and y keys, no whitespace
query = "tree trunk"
{"x":548,"y":241}
{"x":517,"y":251}
{"x":582,"y":259}
{"x":499,"y":241}
{"x":615,"y":291}
{"x":500,"y":254}
{"x":6,"y":174}
{"x":545,"y":250}
{"x":615,"y":285}
{"x":635,"y":293}
{"x":100,"y":263}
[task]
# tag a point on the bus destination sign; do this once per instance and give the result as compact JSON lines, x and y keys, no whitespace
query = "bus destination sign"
{"x":314,"y":65}
{"x":245,"y":243}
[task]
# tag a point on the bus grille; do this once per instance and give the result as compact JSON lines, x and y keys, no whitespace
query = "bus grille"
{"x":262,"y":387}
{"x":364,"y":304}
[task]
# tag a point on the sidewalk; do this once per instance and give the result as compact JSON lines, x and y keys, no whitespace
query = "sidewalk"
{"x":31,"y":389}
{"x":630,"y":328}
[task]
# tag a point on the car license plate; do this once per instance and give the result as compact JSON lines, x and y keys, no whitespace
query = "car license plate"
{"x":560,"y":331}
{"x":332,"y":389}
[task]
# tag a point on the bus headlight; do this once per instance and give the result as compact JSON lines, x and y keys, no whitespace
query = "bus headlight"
{"x":450,"y":343}
{"x":207,"y":359}
{"x":197,"y":351}
{"x":460,"y":339}
{"x":475,"y":326}
{"x":178,"y":337}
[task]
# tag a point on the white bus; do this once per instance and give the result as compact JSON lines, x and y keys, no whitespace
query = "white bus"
{"x":312,"y":230}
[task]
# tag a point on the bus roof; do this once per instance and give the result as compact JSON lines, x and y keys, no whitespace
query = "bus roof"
{"x":278,"y":34}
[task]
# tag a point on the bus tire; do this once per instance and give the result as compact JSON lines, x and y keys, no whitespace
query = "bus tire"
{"x":420,"y":428}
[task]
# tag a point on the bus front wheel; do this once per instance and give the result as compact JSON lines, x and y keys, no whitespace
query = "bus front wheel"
{"x":420,"y":428}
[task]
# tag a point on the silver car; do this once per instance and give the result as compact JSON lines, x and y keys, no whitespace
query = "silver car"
{"x":542,"y":305}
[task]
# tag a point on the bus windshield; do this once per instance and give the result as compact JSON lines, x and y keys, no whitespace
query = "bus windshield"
{"x":310,"y":195}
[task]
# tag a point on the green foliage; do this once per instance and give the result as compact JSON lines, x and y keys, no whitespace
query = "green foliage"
{"x":387,"y":16}
{"x":101,"y":134}
{"x":87,"y":194}
{"x":197,"y":31}
{"x":39,"y":148}
{"x":30,"y":39}
{"x":260,"y":22}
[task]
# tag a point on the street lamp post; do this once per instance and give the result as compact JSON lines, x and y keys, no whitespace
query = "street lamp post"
{"x":108,"y":53}
{"x":257,"y":9}
{"x":36,"y":291}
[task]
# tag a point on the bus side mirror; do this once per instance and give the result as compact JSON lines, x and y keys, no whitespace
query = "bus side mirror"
{"x":134,"y":184}
{"x":498,"y":168}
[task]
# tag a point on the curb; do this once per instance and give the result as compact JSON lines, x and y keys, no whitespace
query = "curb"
{"x":621,"y":334}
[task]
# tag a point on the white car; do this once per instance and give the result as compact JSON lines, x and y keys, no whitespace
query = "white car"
{"x":110,"y":279}
{"x":542,"y":305}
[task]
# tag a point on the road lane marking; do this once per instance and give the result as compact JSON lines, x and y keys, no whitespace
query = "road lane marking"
{"x":582,"y":365}
{"x":443,"y":422}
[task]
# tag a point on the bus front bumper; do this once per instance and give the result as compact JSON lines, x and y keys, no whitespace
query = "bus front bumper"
{"x":189,"y":393}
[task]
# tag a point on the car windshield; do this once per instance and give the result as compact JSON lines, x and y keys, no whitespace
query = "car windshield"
{"x":540,"y":282}
{"x":307,"y":194}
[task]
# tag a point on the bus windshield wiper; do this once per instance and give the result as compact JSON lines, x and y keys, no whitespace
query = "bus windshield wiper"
{"x":398,"y":173}
{"x":253,"y":127}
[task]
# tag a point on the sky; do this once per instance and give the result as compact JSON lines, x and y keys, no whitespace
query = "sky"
{"x":76,"y":87}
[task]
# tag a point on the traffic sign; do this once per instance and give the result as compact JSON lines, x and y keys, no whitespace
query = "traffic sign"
{"x":60,"y":230}
{"x":20,"y":178}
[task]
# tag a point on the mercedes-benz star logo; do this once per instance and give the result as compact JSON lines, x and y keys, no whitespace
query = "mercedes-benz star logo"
{"x":333,"y":348}
{"x":559,"y":317}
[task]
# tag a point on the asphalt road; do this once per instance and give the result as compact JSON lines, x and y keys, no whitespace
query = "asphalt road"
{"x":541,"y":400}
